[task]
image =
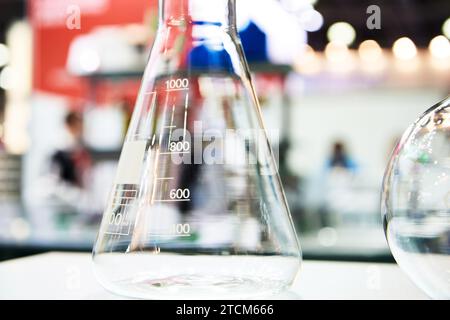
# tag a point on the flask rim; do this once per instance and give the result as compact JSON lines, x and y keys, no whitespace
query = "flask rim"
{"x":220,"y":13}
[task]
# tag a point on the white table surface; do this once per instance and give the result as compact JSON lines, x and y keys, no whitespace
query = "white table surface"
{"x":70,"y":276}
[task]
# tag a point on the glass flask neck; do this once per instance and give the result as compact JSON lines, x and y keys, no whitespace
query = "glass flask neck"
{"x":200,"y":12}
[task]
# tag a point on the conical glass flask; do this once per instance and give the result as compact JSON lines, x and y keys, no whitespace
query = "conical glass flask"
{"x":197,"y":209}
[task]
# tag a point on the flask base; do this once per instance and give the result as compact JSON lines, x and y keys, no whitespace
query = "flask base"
{"x":202,"y":277}
{"x":197,"y":287}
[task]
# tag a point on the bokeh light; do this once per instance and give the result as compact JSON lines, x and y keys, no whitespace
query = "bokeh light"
{"x":336,"y":52}
{"x":4,"y":55}
{"x":440,"y":47}
{"x":308,"y":62}
{"x":341,"y":32}
{"x":446,"y":28}
{"x":370,"y":51}
{"x":6,"y":78}
{"x":404,"y":49}
{"x":311,"y":20}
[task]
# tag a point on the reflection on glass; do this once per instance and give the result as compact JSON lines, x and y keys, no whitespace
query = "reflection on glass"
{"x":416,"y":199}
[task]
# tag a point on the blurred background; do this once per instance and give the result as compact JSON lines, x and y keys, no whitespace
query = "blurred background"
{"x":342,"y":80}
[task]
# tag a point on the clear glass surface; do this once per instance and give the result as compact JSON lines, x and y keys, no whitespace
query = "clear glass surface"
{"x":416,"y":200}
{"x":197,"y":209}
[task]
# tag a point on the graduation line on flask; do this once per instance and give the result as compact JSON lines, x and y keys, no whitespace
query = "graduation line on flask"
{"x":185,"y":114}
{"x":175,"y":152}
{"x":176,"y":89}
{"x":169,"y":235}
{"x":171,"y":126}
{"x":173,"y":200}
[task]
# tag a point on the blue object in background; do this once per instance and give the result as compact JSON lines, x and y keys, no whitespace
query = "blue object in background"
{"x":254,"y":42}
{"x":205,"y":58}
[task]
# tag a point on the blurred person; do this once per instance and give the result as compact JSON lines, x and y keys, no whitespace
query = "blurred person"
{"x":70,"y":171}
{"x":72,"y":161}
{"x":340,"y":158}
{"x":337,"y":183}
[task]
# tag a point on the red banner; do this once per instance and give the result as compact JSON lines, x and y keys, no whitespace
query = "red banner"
{"x":56,"y":23}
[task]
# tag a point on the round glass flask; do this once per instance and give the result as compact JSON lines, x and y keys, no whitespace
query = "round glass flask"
{"x":416,"y":201}
{"x":197,"y":209}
